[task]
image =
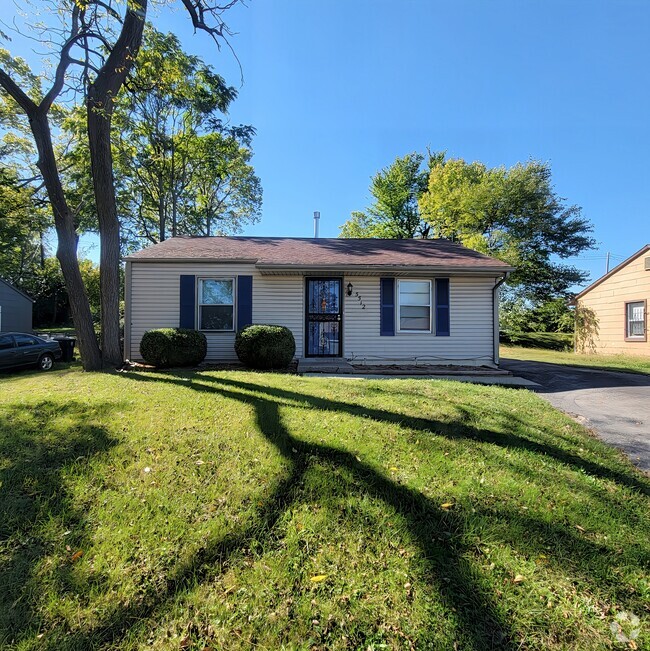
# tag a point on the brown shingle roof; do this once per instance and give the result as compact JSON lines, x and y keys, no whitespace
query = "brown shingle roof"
{"x":321,"y":252}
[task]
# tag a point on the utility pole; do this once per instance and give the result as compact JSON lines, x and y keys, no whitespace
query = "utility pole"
{"x":607,"y":264}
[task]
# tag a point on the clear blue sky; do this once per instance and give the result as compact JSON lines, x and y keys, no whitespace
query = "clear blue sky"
{"x":338,"y":88}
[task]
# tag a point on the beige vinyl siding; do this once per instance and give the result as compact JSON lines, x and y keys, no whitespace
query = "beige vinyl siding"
{"x":155,"y":302}
{"x":280,"y":300}
{"x":471,"y":325}
{"x":607,"y":302}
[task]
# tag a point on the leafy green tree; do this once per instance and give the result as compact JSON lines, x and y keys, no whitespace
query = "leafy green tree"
{"x":223,"y":192}
{"x":519,"y":315}
{"x":24,"y":223}
{"x":46,"y":285}
{"x":182,"y":171}
{"x":513,"y":214}
{"x":395,"y":212}
{"x":179,"y":169}
{"x":95,"y":46}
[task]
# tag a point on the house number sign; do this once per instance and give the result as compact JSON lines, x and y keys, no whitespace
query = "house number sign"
{"x":363,"y":305}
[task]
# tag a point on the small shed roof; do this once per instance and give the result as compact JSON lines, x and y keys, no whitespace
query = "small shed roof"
{"x":18,"y":291}
{"x":322,"y":252}
{"x":633,"y":257}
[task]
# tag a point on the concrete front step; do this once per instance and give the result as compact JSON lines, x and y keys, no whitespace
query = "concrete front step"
{"x":340,"y":366}
{"x":324,"y":365}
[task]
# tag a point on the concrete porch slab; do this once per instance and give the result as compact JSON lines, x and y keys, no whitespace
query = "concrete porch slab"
{"x":320,"y":365}
{"x":499,"y":380}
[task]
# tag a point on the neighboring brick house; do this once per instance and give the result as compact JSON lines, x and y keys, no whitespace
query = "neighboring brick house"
{"x":612,"y":313}
{"x":370,"y":301}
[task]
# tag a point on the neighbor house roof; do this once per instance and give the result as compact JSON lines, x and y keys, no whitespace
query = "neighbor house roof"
{"x":274,"y":253}
{"x":633,"y":257}
{"x":18,"y":291}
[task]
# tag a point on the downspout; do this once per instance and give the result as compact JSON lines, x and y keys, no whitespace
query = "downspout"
{"x":495,"y":317}
{"x":127,"y":310}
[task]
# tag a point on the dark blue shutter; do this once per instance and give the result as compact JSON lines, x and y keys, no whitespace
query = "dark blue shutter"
{"x":387,"y":307}
{"x":188,"y":302}
{"x":442,"y":307}
{"x":244,"y":301}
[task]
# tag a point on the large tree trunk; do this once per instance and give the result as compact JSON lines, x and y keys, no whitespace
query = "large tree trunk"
{"x":99,"y":137}
{"x":101,"y":95}
{"x":67,"y":247}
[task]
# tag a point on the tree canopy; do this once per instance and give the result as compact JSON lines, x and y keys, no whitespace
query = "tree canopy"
{"x":512,"y":214}
{"x":180,"y":170}
{"x":394,"y":212}
{"x":94,"y":45}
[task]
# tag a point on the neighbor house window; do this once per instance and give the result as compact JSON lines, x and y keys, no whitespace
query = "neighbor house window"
{"x":414,"y":305}
{"x":635,"y":320}
{"x":216,"y":304}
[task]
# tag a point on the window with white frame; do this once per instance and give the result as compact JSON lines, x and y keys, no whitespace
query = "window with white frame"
{"x":414,"y":305}
{"x":216,"y":304}
{"x":635,"y":320}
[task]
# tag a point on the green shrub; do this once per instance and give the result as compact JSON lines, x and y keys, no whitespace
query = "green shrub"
{"x":265,"y":346}
{"x":173,"y":347}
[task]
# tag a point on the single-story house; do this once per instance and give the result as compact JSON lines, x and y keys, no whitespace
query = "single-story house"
{"x":15,"y":309}
{"x":612,"y":313}
{"x":368,"y":301}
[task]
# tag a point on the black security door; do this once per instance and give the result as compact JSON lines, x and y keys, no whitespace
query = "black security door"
{"x":323,"y":317}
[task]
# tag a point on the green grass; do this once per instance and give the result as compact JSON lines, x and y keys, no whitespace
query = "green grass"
{"x":625,"y":363}
{"x":56,"y":330}
{"x":549,"y":340}
{"x":235,"y":510}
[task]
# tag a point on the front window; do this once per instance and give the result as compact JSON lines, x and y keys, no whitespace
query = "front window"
{"x":635,"y":321}
{"x":216,"y":304}
{"x":414,"y":305}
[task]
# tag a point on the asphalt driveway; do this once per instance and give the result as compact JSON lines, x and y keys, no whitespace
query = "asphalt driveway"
{"x":615,"y":405}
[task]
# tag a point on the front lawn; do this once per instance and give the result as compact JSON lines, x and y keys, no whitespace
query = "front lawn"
{"x":234,"y":510}
{"x":625,"y":363}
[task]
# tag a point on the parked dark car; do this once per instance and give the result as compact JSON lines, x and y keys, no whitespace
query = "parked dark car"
{"x":21,"y":349}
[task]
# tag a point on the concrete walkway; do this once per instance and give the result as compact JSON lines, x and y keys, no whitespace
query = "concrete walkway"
{"x":616,"y":406}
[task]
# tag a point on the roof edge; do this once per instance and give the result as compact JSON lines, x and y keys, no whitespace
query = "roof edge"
{"x":386,"y":267}
{"x":597,"y":282}
{"x":486,"y":268}
{"x":20,"y":291}
{"x":137,"y":258}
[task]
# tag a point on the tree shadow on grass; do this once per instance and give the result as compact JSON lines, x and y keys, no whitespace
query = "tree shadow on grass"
{"x":481,"y":622}
{"x":37,"y":442}
{"x":456,"y":429}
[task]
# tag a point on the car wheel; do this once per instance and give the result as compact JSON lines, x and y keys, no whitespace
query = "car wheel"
{"x":46,"y":362}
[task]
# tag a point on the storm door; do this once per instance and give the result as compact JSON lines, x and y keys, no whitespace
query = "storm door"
{"x":323,"y":317}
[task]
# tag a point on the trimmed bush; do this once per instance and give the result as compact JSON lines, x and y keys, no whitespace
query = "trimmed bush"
{"x":265,"y":346}
{"x":173,"y":347}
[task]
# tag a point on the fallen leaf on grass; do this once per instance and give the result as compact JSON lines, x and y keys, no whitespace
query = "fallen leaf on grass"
{"x":518,"y":579}
{"x":393,"y":469}
{"x":319,"y":578}
{"x":76,"y":556}
{"x":579,"y":528}
{"x":447,"y":505}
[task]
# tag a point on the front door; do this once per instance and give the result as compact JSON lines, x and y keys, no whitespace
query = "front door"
{"x":324,"y":307}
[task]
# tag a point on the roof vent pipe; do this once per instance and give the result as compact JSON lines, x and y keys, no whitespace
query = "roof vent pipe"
{"x":316,"y":221}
